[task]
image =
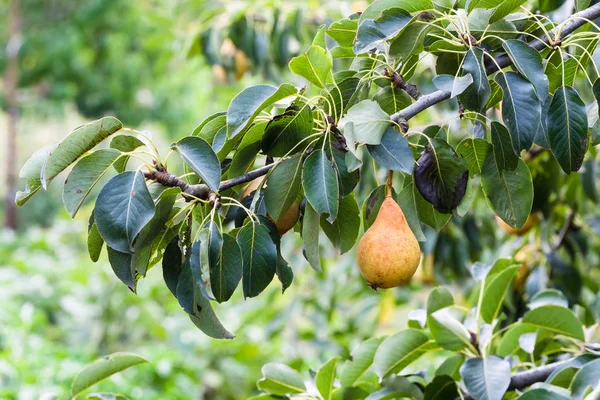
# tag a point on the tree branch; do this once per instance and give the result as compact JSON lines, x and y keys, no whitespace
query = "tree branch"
{"x":436,"y":97}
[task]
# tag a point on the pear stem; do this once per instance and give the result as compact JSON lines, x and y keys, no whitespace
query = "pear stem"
{"x":388,"y":184}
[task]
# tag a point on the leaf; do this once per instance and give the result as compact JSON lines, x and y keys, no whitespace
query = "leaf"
{"x":397,"y":387}
{"x":320,"y":184}
{"x":201,"y":158}
{"x":259,"y":256}
{"x":347,"y":180}
{"x":341,"y":95}
{"x":411,"y":6}
{"x":171,"y":265}
{"x":315,"y":65}
{"x":392,"y":100}
{"x":556,"y":319}
{"x":325,"y":378}
{"x":454,"y":85}
{"x":509,"y":343}
{"x":283,"y":185}
{"x":441,"y":387}
{"x":94,"y":241}
{"x":247,"y":104}
{"x":542,"y":394}
{"x":410,"y":41}
{"x":362,"y":358}
{"x":225,"y":265}
{"x":372,"y":32}
{"x":510,"y":193}
{"x":400,"y":350}
{"x":494,"y":291}
{"x":76,"y":144}
{"x":486,"y":378}
{"x":124,"y":206}
{"x":125,"y":144}
{"x":439,"y":298}
{"x":247,"y":150}
{"x":123,"y":266}
{"x":425,"y":210}
{"x":210,"y":126}
{"x":31,"y":173}
{"x":285,"y":131}
{"x":596,"y":91}
{"x":441,"y":176}
{"x":283,"y":271}
{"x":407,"y":201}
{"x":447,"y":331}
{"x":102,"y":369}
{"x":474,"y":152}
{"x":343,"y":31}
{"x":84,"y":176}
{"x":587,"y":377}
{"x":393,"y":152}
{"x":369,"y":122}
{"x":529,"y":63}
{"x":476,"y":96}
{"x":567,"y":128}
{"x":521,"y":109}
{"x":506,"y":158}
{"x":280,"y":380}
{"x":343,"y":232}
{"x":548,"y":297}
{"x":501,"y":7}
{"x":310,"y":236}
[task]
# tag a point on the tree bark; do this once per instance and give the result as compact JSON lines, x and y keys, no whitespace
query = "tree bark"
{"x":11,"y":83}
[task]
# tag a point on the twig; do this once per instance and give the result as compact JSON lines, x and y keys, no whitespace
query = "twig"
{"x":564,"y":230}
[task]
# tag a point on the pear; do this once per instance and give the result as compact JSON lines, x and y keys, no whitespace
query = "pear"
{"x":288,"y":219}
{"x":388,"y":253}
{"x":532,"y":220}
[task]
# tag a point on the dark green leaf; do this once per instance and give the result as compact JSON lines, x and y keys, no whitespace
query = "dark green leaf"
{"x":454,"y":85}
{"x":474,"y":152}
{"x":506,"y":158}
{"x":501,"y":9}
{"x":392,"y":100}
{"x":441,"y":387}
{"x":486,"y":378}
{"x":495,"y":289}
{"x":529,"y":63}
{"x":125,"y":144}
{"x":556,"y":319}
{"x":362,"y":358}
{"x":94,"y":241}
{"x":123,"y":267}
{"x":201,"y":158}
{"x":259,"y":255}
{"x":247,"y":150}
{"x":393,"y":152}
{"x":400,"y":350}
{"x":347,"y":180}
{"x":171,"y":265}
{"x":283,"y":185}
{"x":476,"y":96}
{"x":387,"y":25}
{"x":310,"y":236}
{"x":343,"y":232}
{"x":320,"y":184}
{"x":225,"y":264}
{"x":286,"y":130}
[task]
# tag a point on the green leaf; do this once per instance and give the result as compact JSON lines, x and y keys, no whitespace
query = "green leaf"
{"x":283,"y":185}
{"x":406,"y":200}
{"x":201,"y":158}
{"x":474,"y":152}
{"x":102,"y":369}
{"x":393,"y":152}
{"x":310,"y":237}
{"x":441,"y":387}
{"x":392,"y":100}
{"x":320,"y":184}
{"x":286,"y":130}
{"x":586,"y":378}
{"x":225,"y":264}
{"x":341,"y":95}
{"x":347,"y":180}
{"x":454,"y":85}
{"x":542,"y":394}
{"x":425,"y":210}
{"x":400,"y":350}
{"x":315,"y":65}
{"x":124,"y":206}
{"x":439,"y":298}
{"x":568,"y":128}
{"x":84,"y":176}
{"x":343,"y":31}
{"x":548,"y":297}
{"x":447,"y":331}
{"x":171,"y":265}
{"x":259,"y":255}
{"x":280,"y":380}
{"x":247,"y":150}
{"x":596,"y":91}
{"x":494,"y":292}
{"x":94,"y":241}
{"x":501,"y":7}
{"x":369,"y":122}
{"x":210,"y":126}
{"x":556,"y":319}
{"x":476,"y":96}
{"x":325,"y":378}
{"x":343,"y":232}
{"x":486,"y":378}
{"x":76,"y":144}
{"x":509,"y":344}
{"x":375,"y":8}
{"x":510,"y":193}
{"x":251,"y":101}
{"x":410,"y":41}
{"x":362,"y":358}
{"x":125,"y":144}
{"x":441,"y":175}
{"x":372,"y":32}
{"x":123,"y":266}
{"x":506,"y":158}
{"x":521,"y":109}
{"x":31,"y":173}
{"x":529,"y":63}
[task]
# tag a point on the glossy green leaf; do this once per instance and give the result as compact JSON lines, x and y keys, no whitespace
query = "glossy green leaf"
{"x":486,"y":378}
{"x":343,"y":31}
{"x":506,"y":158}
{"x":171,"y":265}
{"x":124,"y":206}
{"x":375,"y":8}
{"x":341,"y":95}
{"x":225,"y":265}
{"x":259,"y":255}
{"x":94,"y":241}
{"x":474,"y":151}
{"x":325,"y":378}
{"x":392,"y":100}
{"x":475,"y":96}
{"x":251,"y":101}
{"x":529,"y":63}
{"x":454,"y":85}
{"x":84,"y":176}
{"x":210,"y":126}
{"x":542,"y":394}
{"x":102,"y":369}
{"x":247,"y":150}
{"x":441,"y":387}
{"x":347,"y":180}
{"x":281,"y":380}
{"x":567,"y":126}
{"x":494,"y":291}
{"x":400,"y":350}
{"x":362,"y":358}
{"x":556,"y":319}
{"x":343,"y":232}
{"x":369,"y":122}
{"x":393,"y":152}
{"x":310,"y":237}
{"x":315,"y":65}
{"x":201,"y":158}
{"x":286,"y":130}
{"x":548,"y":297}
{"x":509,"y":193}
{"x":407,"y":201}
{"x":501,"y":7}
{"x":31,"y":173}
{"x":410,"y":41}
{"x":439,"y":298}
{"x":321,"y":184}
{"x":372,"y":32}
{"x":124,"y":143}
{"x":447,"y":331}
{"x":283,"y":185}
{"x":588,"y":377}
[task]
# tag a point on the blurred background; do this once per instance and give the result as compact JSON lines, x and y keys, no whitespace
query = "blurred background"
{"x":164,"y":66}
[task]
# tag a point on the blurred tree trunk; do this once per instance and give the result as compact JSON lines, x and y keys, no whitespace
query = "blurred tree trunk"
{"x":11,"y":83}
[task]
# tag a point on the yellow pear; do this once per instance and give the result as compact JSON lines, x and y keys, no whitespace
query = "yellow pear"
{"x":388,"y":253}
{"x":288,"y":219}
{"x":532,"y":220}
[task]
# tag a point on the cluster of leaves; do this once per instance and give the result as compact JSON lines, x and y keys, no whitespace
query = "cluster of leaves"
{"x":477,"y":348}
{"x":314,"y":141}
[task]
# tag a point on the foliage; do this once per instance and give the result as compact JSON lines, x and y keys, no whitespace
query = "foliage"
{"x":523,"y":127}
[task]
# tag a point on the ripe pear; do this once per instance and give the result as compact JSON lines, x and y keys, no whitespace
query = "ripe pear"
{"x":532,"y":220}
{"x":288,"y":219}
{"x":388,"y":253}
